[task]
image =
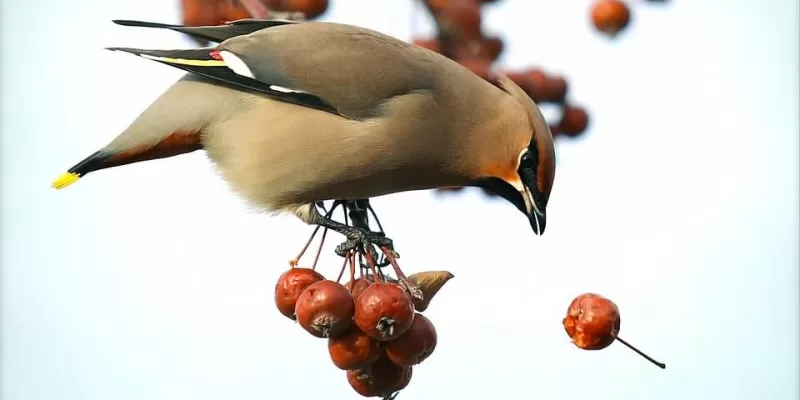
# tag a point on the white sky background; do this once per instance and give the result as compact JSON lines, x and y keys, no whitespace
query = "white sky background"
{"x":154,"y":282}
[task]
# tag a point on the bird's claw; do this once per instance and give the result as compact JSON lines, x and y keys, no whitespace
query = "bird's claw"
{"x":359,"y":239}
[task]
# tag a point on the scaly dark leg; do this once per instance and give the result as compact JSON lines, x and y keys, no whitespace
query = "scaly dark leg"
{"x":359,"y":236}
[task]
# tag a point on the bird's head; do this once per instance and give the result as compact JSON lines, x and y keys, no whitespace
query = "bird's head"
{"x":528,"y":183}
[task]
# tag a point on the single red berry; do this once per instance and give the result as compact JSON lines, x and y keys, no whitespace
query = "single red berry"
{"x":557,"y":89}
{"x":592,"y":321}
{"x":289,"y":287}
{"x":492,"y":47}
{"x":380,"y":379}
{"x":384,"y":311}
{"x":414,"y":346}
{"x":610,"y":16}
{"x":325,"y":309}
{"x":574,"y":121}
{"x":353,"y":350}
{"x":358,"y":286}
{"x":461,"y":18}
{"x":537,"y":85}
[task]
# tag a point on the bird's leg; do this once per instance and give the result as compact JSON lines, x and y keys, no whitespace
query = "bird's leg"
{"x":358,"y":214}
{"x":359,"y":236}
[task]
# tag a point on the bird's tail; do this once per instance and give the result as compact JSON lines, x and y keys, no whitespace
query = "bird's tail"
{"x":171,"y":126}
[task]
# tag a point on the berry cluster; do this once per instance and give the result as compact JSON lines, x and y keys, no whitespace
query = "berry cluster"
{"x":376,"y":331}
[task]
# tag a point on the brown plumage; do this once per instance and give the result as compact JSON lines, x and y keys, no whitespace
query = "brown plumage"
{"x":297,"y":113}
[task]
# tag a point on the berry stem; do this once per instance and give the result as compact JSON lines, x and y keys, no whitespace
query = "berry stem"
{"x":293,"y":262}
{"x":341,"y":270}
{"x":413,"y":290}
{"x":319,"y":249}
{"x":352,"y":259}
{"x":371,"y":263}
{"x":639,"y":352}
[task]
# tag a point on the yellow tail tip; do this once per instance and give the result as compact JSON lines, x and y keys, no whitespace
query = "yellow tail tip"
{"x":65,"y":180}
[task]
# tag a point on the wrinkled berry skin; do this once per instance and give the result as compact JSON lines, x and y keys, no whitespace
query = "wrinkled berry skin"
{"x":592,"y":321}
{"x":384,"y":311}
{"x":289,"y":287}
{"x":414,"y":346}
{"x":381,"y":379}
{"x":325,"y":309}
{"x":353,"y":350}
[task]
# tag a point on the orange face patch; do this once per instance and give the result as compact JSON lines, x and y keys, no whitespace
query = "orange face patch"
{"x":506,"y":172}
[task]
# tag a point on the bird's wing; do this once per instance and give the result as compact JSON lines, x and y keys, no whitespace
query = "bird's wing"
{"x":345,"y":69}
{"x":207,"y":63}
{"x":212,"y":33}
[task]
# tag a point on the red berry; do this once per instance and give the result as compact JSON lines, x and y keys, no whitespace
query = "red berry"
{"x":537,"y":85}
{"x":610,"y":16}
{"x":380,"y":379}
{"x":462,"y":18}
{"x":414,"y":346}
{"x":325,"y":309}
{"x":289,"y":287}
{"x":492,"y":47}
{"x":384,"y":311}
{"x":409,"y":371}
{"x":574,"y":121}
{"x":354,"y":349}
{"x":557,"y":89}
{"x":592,"y":321}
{"x":358,"y":286}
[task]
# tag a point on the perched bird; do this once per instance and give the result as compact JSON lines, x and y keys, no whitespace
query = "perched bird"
{"x":295,"y":113}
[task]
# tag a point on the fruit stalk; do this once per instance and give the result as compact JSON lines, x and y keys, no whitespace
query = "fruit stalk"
{"x":639,"y":352}
{"x":293,"y":262}
{"x":413,"y":289}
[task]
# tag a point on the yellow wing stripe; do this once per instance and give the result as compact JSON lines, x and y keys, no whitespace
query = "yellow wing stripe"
{"x":184,"y":61}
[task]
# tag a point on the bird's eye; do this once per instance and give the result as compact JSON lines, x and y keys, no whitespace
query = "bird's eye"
{"x":527,"y":161}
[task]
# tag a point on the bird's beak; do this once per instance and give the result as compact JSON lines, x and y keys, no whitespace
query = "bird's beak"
{"x":536,"y":216}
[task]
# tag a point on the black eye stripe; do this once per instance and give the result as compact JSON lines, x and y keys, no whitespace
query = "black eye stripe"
{"x":527,"y":160}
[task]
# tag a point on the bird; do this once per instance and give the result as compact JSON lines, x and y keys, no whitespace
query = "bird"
{"x":294,"y":113}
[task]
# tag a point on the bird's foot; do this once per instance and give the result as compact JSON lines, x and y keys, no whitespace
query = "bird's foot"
{"x":359,"y":239}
